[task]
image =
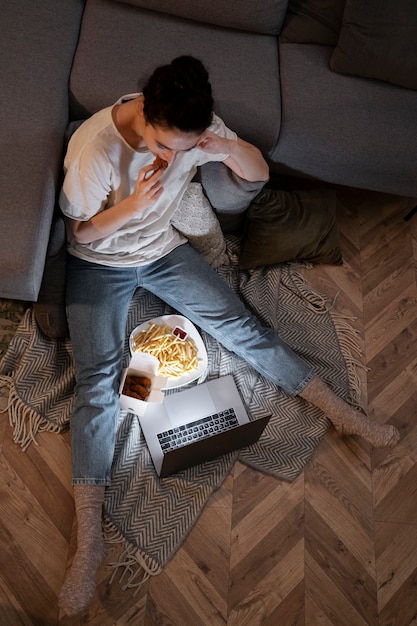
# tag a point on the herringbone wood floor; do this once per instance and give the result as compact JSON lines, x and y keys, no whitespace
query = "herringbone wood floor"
{"x":336,"y":547}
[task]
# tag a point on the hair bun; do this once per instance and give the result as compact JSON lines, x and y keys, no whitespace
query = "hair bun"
{"x":190,"y":74}
{"x":179,"y":96}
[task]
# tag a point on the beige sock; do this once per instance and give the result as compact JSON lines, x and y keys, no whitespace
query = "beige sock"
{"x":80,"y":583}
{"x":346,"y":419}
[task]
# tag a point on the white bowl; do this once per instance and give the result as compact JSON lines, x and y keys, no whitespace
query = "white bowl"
{"x":182,"y":322}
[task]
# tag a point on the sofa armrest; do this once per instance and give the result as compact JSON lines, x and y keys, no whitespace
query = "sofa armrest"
{"x":36,"y":51}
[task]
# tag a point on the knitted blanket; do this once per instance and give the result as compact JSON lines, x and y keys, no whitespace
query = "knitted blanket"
{"x":149,"y":518}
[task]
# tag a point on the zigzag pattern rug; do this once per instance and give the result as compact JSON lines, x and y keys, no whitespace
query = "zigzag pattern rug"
{"x":150,"y":518}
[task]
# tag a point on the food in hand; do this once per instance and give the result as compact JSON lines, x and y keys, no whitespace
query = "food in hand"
{"x":160,"y":164}
{"x":138,"y":387}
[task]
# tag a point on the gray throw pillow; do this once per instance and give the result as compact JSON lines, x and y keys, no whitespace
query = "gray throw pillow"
{"x":229,"y":195}
{"x":313,"y":21}
{"x":378,"y":40}
{"x":286,"y":226}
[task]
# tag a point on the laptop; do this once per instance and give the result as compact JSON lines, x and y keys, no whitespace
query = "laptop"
{"x":197,"y":425}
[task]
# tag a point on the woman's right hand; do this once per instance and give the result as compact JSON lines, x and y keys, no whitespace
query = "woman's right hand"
{"x":148,"y":187}
{"x":147,"y":190}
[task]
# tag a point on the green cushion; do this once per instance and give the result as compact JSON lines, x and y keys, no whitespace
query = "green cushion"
{"x":313,"y":21}
{"x":378,"y":40}
{"x":291,"y":226}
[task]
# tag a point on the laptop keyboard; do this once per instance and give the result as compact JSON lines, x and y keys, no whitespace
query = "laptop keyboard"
{"x":200,"y":429}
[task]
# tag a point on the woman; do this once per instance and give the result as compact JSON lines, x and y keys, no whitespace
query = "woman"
{"x":118,"y":204}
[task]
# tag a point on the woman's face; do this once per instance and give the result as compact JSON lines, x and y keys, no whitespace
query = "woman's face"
{"x":166,"y":143}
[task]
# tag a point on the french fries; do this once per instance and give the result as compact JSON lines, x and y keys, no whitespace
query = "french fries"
{"x":176,"y":356}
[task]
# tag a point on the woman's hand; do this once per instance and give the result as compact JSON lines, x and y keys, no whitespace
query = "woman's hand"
{"x":148,"y":187}
{"x":243,"y":158}
{"x":213,"y":144}
{"x":147,"y":190}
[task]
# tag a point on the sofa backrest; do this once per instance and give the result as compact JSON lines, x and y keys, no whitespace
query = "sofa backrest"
{"x":259,"y":16}
{"x":120,"y":45}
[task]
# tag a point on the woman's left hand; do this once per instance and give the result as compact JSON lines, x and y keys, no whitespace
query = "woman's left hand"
{"x":243,"y":158}
{"x":213,"y":144}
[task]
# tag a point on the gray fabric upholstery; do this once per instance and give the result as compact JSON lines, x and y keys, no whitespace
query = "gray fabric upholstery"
{"x":345,"y":130}
{"x":121,"y":45}
{"x":36,"y":50}
{"x":313,"y":21}
{"x":49,"y":310}
{"x":263,"y":17}
{"x":378,"y":40}
{"x":229,"y":195}
{"x":227,"y":192}
{"x":286,"y":100}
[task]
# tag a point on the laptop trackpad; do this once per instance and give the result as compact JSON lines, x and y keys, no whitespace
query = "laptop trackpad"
{"x":197,"y":403}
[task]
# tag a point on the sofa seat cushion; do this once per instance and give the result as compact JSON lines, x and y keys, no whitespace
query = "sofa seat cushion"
{"x":263,"y":17}
{"x":343,"y":129}
{"x":378,"y":39}
{"x":120,"y":46}
{"x":286,"y":226}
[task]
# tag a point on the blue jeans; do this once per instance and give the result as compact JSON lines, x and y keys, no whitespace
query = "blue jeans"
{"x":98,"y":299}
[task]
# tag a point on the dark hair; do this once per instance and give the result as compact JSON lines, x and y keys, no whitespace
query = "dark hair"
{"x":179,"y":96}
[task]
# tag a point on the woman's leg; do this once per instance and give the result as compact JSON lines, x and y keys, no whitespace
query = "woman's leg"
{"x":188,"y":284}
{"x":98,"y":299}
{"x":97,"y":304}
{"x":79,"y":586}
{"x":346,"y":419}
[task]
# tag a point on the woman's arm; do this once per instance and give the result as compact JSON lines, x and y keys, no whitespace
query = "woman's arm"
{"x":244,"y":158}
{"x":147,"y":190}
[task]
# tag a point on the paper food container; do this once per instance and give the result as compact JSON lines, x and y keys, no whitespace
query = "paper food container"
{"x":146,"y":365}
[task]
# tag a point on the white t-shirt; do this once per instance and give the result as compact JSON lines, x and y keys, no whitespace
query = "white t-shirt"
{"x":101,"y":169}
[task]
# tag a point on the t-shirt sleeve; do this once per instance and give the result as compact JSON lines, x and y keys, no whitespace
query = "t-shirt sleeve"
{"x":87,"y":185}
{"x":218,"y":127}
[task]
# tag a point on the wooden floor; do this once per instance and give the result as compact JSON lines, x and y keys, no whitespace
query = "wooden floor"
{"x":336,"y":547}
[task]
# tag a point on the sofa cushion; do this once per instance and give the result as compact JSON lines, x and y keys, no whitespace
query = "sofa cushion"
{"x":229,"y":195}
{"x":342,"y":129}
{"x":378,"y":39}
{"x":313,"y":21}
{"x":266,"y":17}
{"x":291,"y":226}
{"x":108,"y":65}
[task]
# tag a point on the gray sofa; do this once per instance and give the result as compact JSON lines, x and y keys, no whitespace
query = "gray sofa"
{"x":62,"y":60}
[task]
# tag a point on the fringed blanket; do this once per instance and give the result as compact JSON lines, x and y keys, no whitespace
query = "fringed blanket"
{"x":150,"y":518}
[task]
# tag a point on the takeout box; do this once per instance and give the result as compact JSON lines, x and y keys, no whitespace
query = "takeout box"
{"x":142,"y":364}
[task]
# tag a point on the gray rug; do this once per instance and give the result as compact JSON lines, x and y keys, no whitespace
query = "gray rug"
{"x":147,"y":518}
